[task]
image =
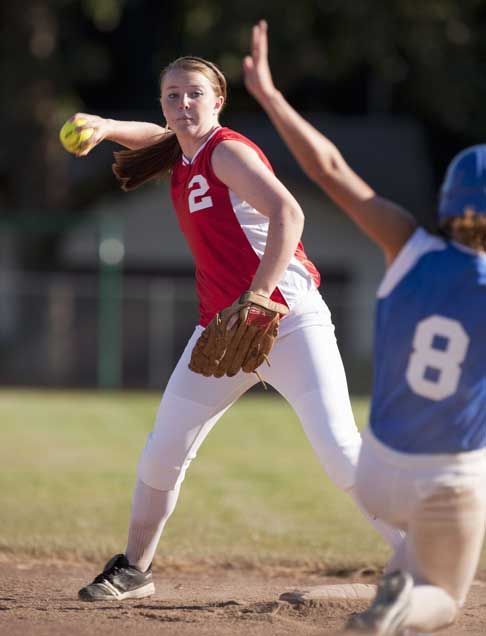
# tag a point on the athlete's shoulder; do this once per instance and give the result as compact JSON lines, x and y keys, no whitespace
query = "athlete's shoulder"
{"x":420,"y":243}
{"x":228,"y":134}
{"x":223,"y":133}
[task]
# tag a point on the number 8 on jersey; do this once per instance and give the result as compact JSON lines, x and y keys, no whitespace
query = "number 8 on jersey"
{"x":433,"y":370}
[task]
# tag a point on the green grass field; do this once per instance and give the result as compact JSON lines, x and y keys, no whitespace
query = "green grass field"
{"x":255,"y":494}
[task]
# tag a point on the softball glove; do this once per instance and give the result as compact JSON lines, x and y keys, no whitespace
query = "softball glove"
{"x":239,"y":337}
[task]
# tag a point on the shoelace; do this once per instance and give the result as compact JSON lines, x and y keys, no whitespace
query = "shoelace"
{"x":108,"y":574}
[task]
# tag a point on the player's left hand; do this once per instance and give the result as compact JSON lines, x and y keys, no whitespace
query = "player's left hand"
{"x":238,"y":338}
{"x":256,"y":70}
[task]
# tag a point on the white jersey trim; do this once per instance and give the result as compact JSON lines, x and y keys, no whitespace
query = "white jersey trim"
{"x":420,"y":243}
{"x":468,"y":250}
{"x":297,"y":281}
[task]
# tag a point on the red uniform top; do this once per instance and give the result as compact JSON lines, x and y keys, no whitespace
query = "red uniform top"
{"x":226,"y":235}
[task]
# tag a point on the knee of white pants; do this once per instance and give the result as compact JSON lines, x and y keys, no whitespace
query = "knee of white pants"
{"x":180,"y":427}
{"x":158,"y":469}
{"x":330,"y":428}
{"x":341,"y":468}
{"x":339,"y":460}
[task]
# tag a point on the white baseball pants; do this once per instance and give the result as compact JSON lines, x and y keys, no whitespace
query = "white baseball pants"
{"x":306,"y":369}
{"x":440,"y":501}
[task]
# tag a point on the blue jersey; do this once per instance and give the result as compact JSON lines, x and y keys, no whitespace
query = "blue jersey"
{"x":429,"y":391}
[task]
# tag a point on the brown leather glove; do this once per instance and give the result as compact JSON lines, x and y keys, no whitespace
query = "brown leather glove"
{"x":253,"y":320}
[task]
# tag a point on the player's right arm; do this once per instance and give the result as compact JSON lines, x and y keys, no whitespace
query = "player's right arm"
{"x":130,"y":134}
{"x":386,"y":223}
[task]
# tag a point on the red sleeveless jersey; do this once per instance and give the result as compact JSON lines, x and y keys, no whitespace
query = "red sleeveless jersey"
{"x":226,"y":235}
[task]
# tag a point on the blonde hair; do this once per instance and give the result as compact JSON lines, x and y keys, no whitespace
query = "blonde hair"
{"x":468,"y":229}
{"x":132,"y":168}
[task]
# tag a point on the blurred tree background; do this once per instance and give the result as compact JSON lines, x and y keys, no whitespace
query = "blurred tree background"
{"x":363,"y":57}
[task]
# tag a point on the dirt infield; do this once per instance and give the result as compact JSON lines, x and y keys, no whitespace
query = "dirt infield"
{"x":41,"y":599}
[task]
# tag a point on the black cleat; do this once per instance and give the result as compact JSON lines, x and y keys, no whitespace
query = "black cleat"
{"x":119,"y":580}
{"x":387,"y":613}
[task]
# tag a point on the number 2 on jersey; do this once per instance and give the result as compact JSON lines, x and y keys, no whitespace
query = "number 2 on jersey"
{"x":443,"y":364}
{"x":197,"y":200}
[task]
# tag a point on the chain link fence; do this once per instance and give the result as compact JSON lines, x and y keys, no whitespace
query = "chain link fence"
{"x":52,"y":334}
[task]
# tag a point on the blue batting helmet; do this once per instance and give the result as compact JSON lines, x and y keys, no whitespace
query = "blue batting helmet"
{"x":464,"y":185}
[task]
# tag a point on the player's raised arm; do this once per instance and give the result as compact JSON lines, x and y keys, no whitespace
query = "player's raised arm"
{"x":130,"y":134}
{"x":386,"y":223}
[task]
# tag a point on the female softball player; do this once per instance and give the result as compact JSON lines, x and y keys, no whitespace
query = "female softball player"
{"x":243,"y":228}
{"x":422,"y":466}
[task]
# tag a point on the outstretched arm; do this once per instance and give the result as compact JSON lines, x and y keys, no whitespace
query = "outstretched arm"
{"x":131,"y":134}
{"x":383,"y":221}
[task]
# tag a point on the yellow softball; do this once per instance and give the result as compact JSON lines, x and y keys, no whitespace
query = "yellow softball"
{"x":71,"y":138}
